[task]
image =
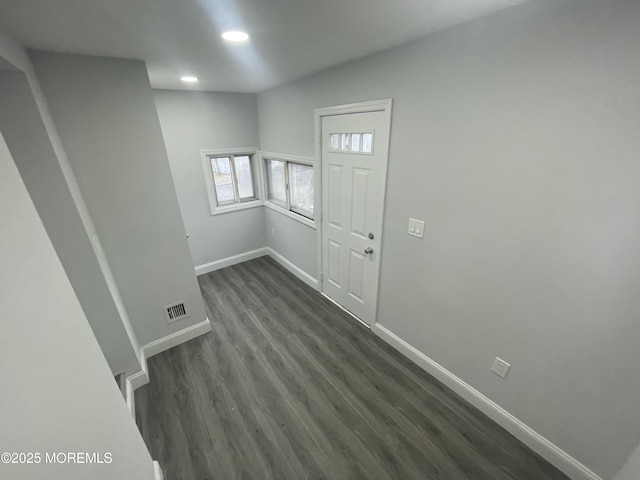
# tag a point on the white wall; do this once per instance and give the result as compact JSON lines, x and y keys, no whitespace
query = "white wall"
{"x":53,"y":373}
{"x":31,"y":136}
{"x":104,"y":112}
{"x":191,"y":122}
{"x":293,"y":240}
{"x":25,"y":133}
{"x":195,"y":121}
{"x":12,"y":52}
{"x":631,"y":468}
{"x":516,"y":138}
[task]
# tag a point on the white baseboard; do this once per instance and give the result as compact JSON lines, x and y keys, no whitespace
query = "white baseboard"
{"x":175,"y":339}
{"x":545,"y":448}
{"x":552,"y":453}
{"x":297,"y":271}
{"x":227,"y":262}
{"x":157,"y":471}
{"x":260,"y":252}
{"x":130,"y":397}
{"x":140,"y":378}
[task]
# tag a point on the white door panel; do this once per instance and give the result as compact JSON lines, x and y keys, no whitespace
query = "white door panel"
{"x":333,"y":271}
{"x":359,"y":197}
{"x":353,"y":180}
{"x":334,"y":193}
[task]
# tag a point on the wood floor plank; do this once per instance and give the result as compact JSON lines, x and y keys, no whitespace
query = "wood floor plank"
{"x":289,"y":386}
{"x":304,"y":395}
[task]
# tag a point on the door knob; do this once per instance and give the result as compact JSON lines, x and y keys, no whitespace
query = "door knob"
{"x":368,"y":250}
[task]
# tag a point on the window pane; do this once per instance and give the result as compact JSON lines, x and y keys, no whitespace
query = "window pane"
{"x":223,"y":180}
{"x":245,"y":178}
{"x":367,"y":142}
{"x":275,"y":175}
{"x":345,"y":142}
{"x":335,"y":141}
{"x":355,"y":142}
{"x":301,"y":188}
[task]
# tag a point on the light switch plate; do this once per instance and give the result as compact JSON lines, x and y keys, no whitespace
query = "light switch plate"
{"x":500,"y":367}
{"x":416,"y":228}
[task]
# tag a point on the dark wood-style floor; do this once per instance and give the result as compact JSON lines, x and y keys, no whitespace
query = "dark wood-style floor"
{"x":287,"y":386}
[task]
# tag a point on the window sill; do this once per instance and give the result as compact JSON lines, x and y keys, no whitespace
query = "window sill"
{"x":287,"y":213}
{"x":236,"y":207}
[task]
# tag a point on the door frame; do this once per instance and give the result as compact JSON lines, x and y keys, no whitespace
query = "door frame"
{"x":385,"y":106}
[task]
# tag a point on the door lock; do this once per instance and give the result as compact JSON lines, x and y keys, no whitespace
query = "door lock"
{"x":370,"y":236}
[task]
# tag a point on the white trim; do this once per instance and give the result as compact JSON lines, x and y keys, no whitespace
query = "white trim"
{"x":274,"y":205}
{"x":157,"y":471}
{"x":288,"y":157}
{"x":208,"y":181}
{"x":235,"y":207}
{"x":260,"y":252}
{"x":359,"y":107}
{"x":227,"y":262}
{"x":297,"y":271}
{"x":130,"y":397}
{"x":140,"y":378}
{"x":170,"y":341}
{"x":208,"y":178}
{"x":384,"y":105}
{"x":250,"y":255}
{"x":545,"y":448}
{"x":229,"y":151}
{"x":288,"y":213}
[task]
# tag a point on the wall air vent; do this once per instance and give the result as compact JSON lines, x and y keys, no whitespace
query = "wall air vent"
{"x":175,"y":312}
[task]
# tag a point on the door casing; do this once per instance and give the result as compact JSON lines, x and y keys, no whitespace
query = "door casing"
{"x":384,"y":106}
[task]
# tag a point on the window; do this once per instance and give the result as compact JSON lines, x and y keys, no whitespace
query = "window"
{"x":290,"y":185}
{"x":277,"y":184}
{"x":232,"y":179}
{"x":301,"y":189}
{"x":352,"y":142}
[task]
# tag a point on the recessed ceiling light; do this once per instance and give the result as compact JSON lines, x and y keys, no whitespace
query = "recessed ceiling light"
{"x":235,"y":36}
{"x":189,"y":79}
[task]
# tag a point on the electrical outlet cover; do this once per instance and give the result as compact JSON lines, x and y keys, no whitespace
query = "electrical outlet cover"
{"x":416,"y":228}
{"x":500,"y":367}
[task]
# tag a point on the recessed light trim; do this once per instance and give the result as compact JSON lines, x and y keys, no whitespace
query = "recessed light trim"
{"x":235,"y":36}
{"x":189,"y":79}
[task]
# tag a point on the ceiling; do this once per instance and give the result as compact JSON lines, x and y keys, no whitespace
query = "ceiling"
{"x":289,"y":38}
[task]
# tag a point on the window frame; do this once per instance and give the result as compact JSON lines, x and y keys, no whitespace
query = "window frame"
{"x":269,"y":197}
{"x":239,"y":204}
{"x":275,"y":204}
{"x":349,"y":136}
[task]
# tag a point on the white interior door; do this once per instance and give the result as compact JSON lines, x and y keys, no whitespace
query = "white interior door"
{"x":354,"y":166}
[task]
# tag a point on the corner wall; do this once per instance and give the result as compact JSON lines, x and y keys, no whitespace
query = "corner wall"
{"x":195,"y":121}
{"x":104,"y":113}
{"x":22,"y":126}
{"x":51,"y":358}
{"x":515,"y":138}
{"x":293,"y":240}
{"x":32,"y":138}
{"x":631,"y":468}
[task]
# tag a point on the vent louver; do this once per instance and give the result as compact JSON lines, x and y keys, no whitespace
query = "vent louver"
{"x":176,"y":311}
